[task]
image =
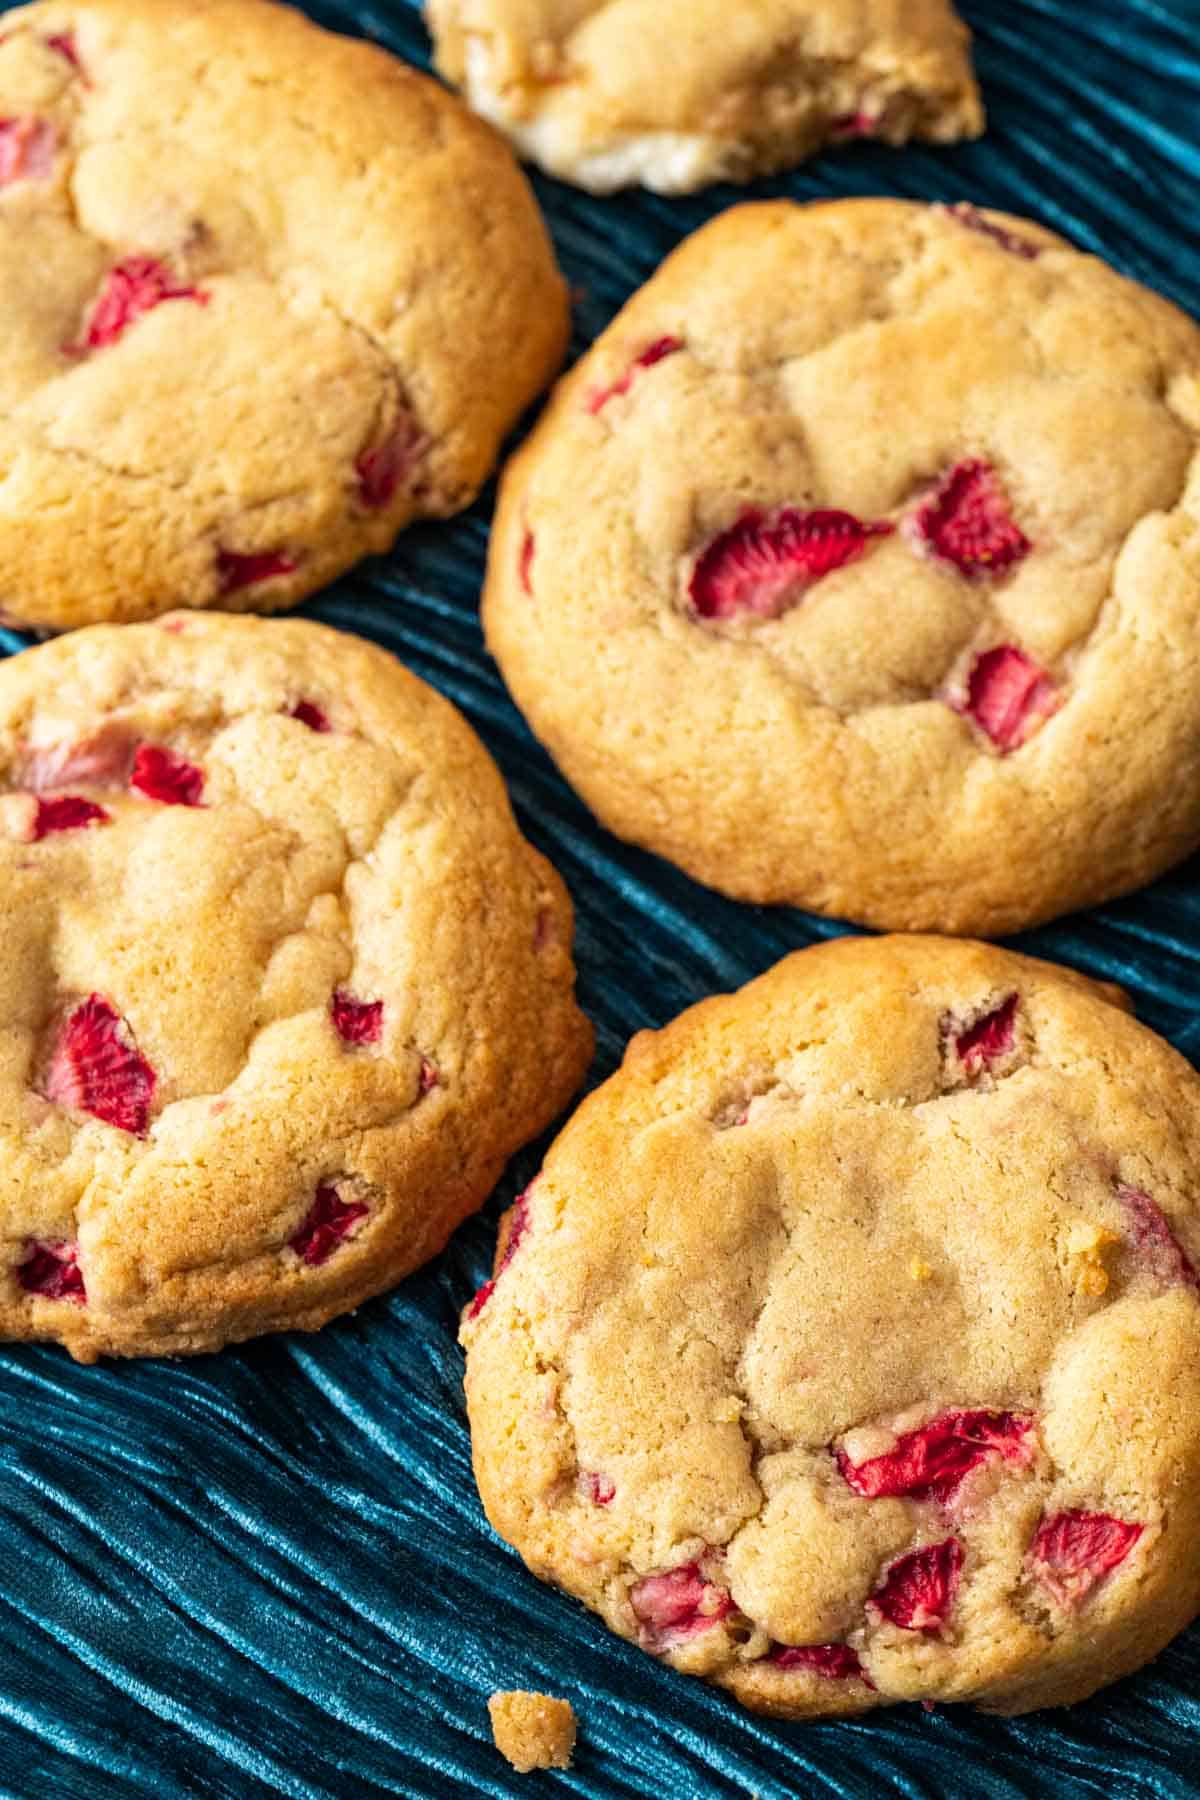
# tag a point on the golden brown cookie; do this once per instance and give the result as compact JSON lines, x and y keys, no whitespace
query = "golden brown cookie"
{"x":282,"y":986}
{"x":266,"y":295}
{"x":676,"y":94}
{"x":857,"y":566}
{"x":847,"y":1348}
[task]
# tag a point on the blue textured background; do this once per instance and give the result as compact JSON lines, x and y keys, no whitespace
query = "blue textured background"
{"x":267,"y":1571}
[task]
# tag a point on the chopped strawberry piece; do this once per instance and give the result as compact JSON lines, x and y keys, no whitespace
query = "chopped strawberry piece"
{"x":838,"y":1662}
{"x":989,"y":1038}
{"x":918,"y":1589}
{"x":661,"y":348}
{"x":310,"y":714}
{"x":931,"y":1462}
{"x":854,"y":125}
{"x":970,"y":216}
{"x":356,"y":1021}
{"x":327,"y":1223}
{"x":383,"y":467}
{"x":27,"y":149}
{"x":1073,"y":1551}
{"x":965,"y":521}
{"x":765,"y":562}
{"x":96,"y":1068}
{"x":597,"y":1488}
{"x":66,"y":812}
{"x":1008,"y":697}
{"x":130,"y":289}
{"x":103,"y":760}
{"x":429,"y":1078}
{"x":52,"y":1272}
{"x":236,"y":570}
{"x":64,"y":43}
{"x":518,"y":1225}
{"x":525,"y":566}
{"x":161,"y":775}
{"x":1156,"y":1244}
{"x":677,"y":1604}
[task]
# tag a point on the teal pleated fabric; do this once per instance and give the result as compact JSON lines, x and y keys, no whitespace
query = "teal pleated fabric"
{"x":267,"y":1572}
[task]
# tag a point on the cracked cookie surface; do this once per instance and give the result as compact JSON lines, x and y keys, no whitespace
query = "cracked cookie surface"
{"x":268,"y":295}
{"x":578,"y":84}
{"x":857,"y":567}
{"x":283,"y":986}
{"x":848,"y":1350}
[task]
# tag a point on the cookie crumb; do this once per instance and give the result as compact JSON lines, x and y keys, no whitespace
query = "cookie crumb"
{"x":533,"y":1731}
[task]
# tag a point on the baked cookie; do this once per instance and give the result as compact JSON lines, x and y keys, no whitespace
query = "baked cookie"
{"x":675,"y":94}
{"x":282,"y":986}
{"x":857,"y":567}
{"x":267,"y":295}
{"x":847,"y":1348}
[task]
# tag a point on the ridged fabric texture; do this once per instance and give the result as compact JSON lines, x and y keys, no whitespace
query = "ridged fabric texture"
{"x":267,"y":1572}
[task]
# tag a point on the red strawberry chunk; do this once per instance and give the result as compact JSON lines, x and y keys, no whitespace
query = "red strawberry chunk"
{"x":970,"y":216}
{"x":1008,"y":697}
{"x":525,"y":565}
{"x":52,"y":1272}
{"x":130,"y":289}
{"x":1156,"y":1244}
{"x":64,"y":43}
{"x":429,"y":1077}
{"x":918,"y":1590}
{"x":677,"y":1604}
{"x":965,"y":521}
{"x":854,"y":125}
{"x":96,"y":1068}
{"x":518,"y":1225}
{"x":27,"y":149}
{"x":1073,"y":1551}
{"x":161,"y":775}
{"x":327,"y":1223}
{"x":597,"y":1488}
{"x":66,"y":812}
{"x":655,"y":353}
{"x":310,"y":714}
{"x":237,"y":570}
{"x":356,"y":1021}
{"x":837,"y":1662}
{"x":989,"y":1038}
{"x":931,"y":1462}
{"x":765,"y":562}
{"x":383,"y":467}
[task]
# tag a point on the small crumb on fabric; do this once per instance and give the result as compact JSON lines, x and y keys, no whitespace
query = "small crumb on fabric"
{"x":533,"y":1731}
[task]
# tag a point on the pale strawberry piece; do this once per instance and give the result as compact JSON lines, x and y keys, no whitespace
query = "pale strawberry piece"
{"x":161,"y":775}
{"x":654,"y":353}
{"x":97,"y":1068}
{"x":765,"y":563}
{"x":103,"y":760}
{"x":517,"y":1227}
{"x":27,"y":149}
{"x":356,"y":1021}
{"x":131,"y":289}
{"x":525,"y":565}
{"x":1158,"y":1249}
{"x":1008,"y":697}
{"x":66,"y":812}
{"x":327,"y":1223}
{"x":310,"y":714}
{"x":429,"y":1077}
{"x":918,"y":1590}
{"x":237,"y":569}
{"x":837,"y":1662}
{"x":597,"y":1488}
{"x":966,"y":522}
{"x":383,"y":467}
{"x":1073,"y":1551}
{"x":676,"y":1605}
{"x":974,"y":220}
{"x":931,"y":1462}
{"x":991,"y":1037}
{"x":52,"y":1272}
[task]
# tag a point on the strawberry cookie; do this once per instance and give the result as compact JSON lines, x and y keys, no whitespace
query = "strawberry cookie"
{"x":267,"y":295}
{"x":857,"y":567}
{"x":676,"y":94}
{"x":847,"y":1348}
{"x":282,"y":986}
